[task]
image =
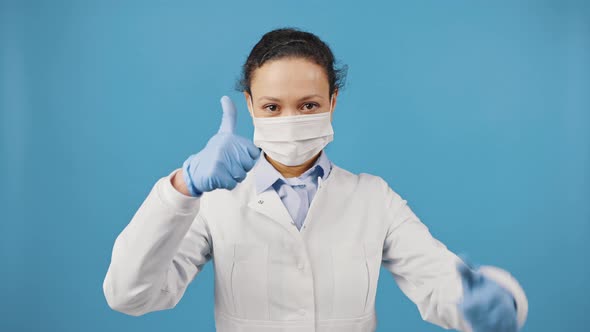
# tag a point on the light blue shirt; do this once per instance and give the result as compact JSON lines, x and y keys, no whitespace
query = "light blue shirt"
{"x":296,"y":193}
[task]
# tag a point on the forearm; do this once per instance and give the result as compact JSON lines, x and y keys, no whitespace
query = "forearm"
{"x":144,"y":249}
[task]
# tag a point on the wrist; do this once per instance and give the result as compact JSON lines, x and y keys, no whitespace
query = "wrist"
{"x":178,"y":183}
{"x":187,"y":181}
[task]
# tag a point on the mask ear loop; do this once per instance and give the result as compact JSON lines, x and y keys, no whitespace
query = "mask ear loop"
{"x":319,"y":177}
{"x":251,"y":102}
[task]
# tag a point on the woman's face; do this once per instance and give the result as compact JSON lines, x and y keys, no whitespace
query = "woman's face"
{"x":289,"y":86}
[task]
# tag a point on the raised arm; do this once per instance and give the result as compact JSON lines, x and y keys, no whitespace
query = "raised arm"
{"x":167,"y":242}
{"x":158,"y":253}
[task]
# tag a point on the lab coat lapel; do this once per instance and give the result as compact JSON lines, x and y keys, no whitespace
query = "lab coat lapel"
{"x":269,"y":204}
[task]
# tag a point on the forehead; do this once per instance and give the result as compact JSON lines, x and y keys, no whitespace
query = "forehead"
{"x":289,"y":76}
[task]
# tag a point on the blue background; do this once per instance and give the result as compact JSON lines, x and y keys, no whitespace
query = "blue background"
{"x":478,"y":115}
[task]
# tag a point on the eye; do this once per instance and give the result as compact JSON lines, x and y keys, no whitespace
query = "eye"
{"x":310,"y":106}
{"x":271,"y":107}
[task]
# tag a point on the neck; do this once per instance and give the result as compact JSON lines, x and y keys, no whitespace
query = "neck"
{"x":292,"y":171}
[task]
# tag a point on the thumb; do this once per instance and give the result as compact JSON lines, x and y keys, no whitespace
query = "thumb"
{"x":228,"y":119}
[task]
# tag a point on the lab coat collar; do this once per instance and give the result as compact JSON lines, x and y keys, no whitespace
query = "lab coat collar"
{"x":269,"y":203}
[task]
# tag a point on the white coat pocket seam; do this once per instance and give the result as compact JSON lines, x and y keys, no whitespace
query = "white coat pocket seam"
{"x":368,"y":283}
{"x":249,"y":280}
{"x":349,"y":268}
{"x":372,"y":262}
{"x":231,"y":285}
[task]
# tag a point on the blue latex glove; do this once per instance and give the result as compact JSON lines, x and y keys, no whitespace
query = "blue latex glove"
{"x":224,"y":161}
{"x":487,"y":306}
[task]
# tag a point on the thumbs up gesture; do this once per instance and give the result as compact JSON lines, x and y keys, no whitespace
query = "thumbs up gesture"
{"x":487,"y":306}
{"x":224,"y":161}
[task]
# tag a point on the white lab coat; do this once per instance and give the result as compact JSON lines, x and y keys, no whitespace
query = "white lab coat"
{"x":269,"y":276}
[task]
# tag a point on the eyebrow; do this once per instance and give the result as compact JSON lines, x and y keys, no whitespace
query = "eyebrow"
{"x":300,"y":99}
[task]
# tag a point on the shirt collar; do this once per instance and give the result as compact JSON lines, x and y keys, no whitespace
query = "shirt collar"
{"x":266,"y":175}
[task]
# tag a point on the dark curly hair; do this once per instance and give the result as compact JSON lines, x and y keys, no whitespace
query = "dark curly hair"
{"x":292,"y":42}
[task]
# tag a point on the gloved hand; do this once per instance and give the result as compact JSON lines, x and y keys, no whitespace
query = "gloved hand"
{"x":224,"y":161}
{"x":487,"y":306}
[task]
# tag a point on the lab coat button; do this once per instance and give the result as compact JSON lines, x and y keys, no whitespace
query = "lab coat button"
{"x":302,"y":312}
{"x":300,"y":266}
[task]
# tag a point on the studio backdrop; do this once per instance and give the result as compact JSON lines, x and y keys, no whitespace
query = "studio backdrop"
{"x":477,"y":114}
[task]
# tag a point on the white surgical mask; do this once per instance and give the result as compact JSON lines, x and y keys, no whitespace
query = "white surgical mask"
{"x":293,"y":140}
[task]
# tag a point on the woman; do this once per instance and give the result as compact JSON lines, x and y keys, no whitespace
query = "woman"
{"x":296,"y":241}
